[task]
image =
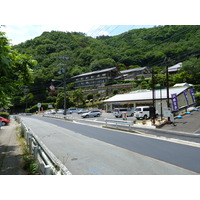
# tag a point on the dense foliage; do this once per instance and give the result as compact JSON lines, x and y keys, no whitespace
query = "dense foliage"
{"x":138,"y":47}
{"x":15,"y":71}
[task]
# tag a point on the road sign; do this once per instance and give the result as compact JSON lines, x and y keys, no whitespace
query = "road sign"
{"x":39,"y":105}
{"x":166,"y":112}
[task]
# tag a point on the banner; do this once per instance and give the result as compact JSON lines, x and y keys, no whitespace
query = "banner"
{"x":175,"y":102}
{"x":192,"y":92}
{"x":186,"y":96}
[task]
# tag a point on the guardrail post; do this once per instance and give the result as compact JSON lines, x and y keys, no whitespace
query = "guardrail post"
{"x":47,"y":170}
{"x":30,"y":142}
{"x":35,"y":149}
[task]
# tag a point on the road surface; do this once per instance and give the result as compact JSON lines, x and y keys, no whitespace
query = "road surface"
{"x":92,"y":150}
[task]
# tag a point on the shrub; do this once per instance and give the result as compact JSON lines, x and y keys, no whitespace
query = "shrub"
{"x":90,"y":96}
{"x":35,"y":107}
{"x":4,"y":115}
{"x":197,"y":97}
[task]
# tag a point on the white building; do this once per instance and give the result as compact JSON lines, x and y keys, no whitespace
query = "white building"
{"x":144,"y":98}
{"x":175,"y":68}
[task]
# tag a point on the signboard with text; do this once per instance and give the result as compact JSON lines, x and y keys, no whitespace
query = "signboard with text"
{"x":175,"y":102}
{"x":166,"y":112}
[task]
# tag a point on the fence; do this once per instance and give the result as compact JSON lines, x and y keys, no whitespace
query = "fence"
{"x":116,"y":122}
{"x":48,"y":163}
{"x":66,"y":117}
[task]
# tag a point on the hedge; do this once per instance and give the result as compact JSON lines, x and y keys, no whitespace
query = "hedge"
{"x":35,"y":107}
{"x":4,"y":115}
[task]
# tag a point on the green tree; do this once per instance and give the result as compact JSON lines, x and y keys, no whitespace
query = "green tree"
{"x":15,"y":71}
{"x":60,"y":101}
{"x":89,"y":96}
{"x":115,"y":91}
{"x":102,"y":64}
{"x":78,"y":96}
{"x":191,"y":68}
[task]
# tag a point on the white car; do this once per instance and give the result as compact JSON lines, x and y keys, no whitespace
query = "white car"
{"x":47,"y":112}
{"x":92,"y":113}
{"x":60,"y":111}
{"x":144,"y":112}
{"x":53,"y":111}
{"x":118,"y":112}
{"x":72,"y":110}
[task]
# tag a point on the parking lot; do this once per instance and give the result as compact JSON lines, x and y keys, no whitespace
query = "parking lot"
{"x":188,"y":124}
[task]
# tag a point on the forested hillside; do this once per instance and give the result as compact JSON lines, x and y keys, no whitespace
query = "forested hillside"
{"x":143,"y":47}
{"x":138,"y":47}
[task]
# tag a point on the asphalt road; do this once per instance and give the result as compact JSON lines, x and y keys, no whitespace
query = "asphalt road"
{"x":186,"y":129}
{"x":91,"y":150}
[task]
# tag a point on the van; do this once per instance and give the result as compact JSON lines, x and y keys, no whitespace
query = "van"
{"x":118,"y":112}
{"x":143,"y":112}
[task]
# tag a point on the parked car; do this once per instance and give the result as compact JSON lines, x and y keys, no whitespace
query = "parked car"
{"x":53,"y":111}
{"x":143,"y":112}
{"x":60,"y":111}
{"x":83,"y":111}
{"x":4,"y":121}
{"x":72,"y":110}
{"x":118,"y":112}
{"x":92,"y":113}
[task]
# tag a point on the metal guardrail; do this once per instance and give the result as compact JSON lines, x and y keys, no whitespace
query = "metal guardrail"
{"x":48,"y":163}
{"x":67,"y":117}
{"x":116,"y":122}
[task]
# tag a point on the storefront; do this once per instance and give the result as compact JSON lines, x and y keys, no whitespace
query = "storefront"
{"x":179,"y":97}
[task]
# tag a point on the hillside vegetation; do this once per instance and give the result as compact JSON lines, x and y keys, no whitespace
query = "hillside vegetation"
{"x":138,"y":47}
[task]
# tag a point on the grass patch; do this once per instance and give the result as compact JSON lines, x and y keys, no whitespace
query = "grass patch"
{"x":30,"y":165}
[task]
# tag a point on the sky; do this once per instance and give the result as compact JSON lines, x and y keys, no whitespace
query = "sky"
{"x":21,"y":33}
{"x":26,"y":21}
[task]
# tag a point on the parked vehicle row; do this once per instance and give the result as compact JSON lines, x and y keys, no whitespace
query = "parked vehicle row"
{"x":84,"y":112}
{"x":141,"y":112}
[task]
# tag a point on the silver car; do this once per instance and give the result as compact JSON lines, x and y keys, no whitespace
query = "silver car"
{"x":92,"y":113}
{"x":83,"y":111}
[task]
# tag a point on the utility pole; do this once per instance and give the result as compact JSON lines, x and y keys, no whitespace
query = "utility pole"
{"x":64,"y":80}
{"x":153,"y":95}
{"x":167,"y":85}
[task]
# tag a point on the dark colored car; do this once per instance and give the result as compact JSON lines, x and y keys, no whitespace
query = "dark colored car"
{"x":4,"y":121}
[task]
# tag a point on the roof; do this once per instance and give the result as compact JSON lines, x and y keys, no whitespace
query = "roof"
{"x":182,"y":84}
{"x":145,"y":95}
{"x":95,"y":72}
{"x":175,"y":67}
{"x":133,"y":70}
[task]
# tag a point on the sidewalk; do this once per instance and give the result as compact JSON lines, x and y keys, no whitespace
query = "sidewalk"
{"x":11,"y":160}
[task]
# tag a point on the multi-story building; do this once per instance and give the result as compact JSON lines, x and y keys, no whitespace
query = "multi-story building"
{"x":96,"y":78}
{"x":136,"y":73}
{"x":175,"y":68}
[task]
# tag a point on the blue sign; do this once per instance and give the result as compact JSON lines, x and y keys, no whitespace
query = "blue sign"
{"x":186,"y":96}
{"x":192,"y":92}
{"x":175,"y":102}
